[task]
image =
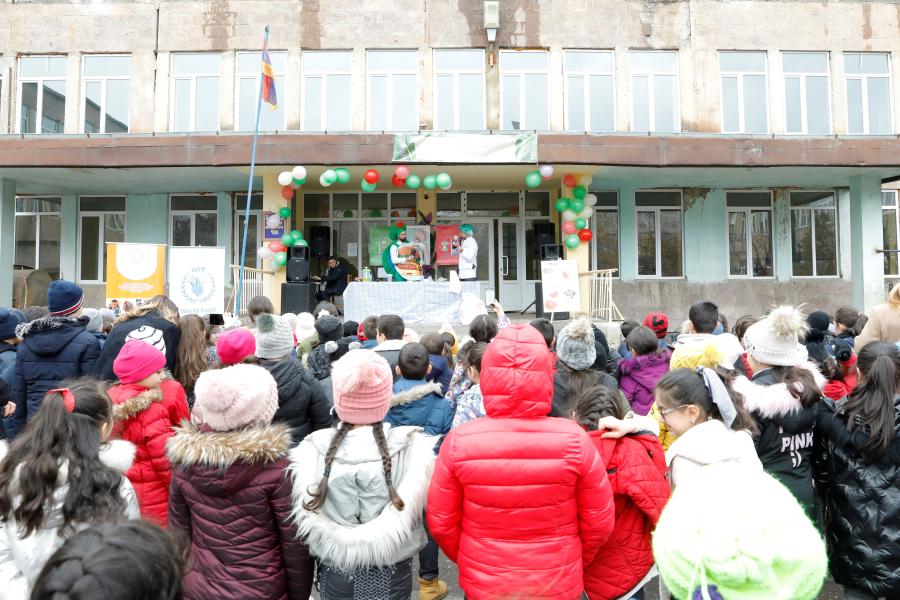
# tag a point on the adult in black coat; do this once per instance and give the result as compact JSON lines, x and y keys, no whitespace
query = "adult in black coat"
{"x":335,"y":280}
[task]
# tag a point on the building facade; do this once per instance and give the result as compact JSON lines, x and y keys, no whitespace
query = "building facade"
{"x":743,"y":151}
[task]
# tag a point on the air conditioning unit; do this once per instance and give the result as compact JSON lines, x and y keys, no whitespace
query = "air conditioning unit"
{"x":491,"y":14}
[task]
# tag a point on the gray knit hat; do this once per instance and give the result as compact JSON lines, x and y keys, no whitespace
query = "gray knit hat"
{"x":575,"y":345}
{"x":274,"y":338}
{"x":95,"y":320}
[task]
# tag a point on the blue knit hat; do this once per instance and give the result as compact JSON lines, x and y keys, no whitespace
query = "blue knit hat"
{"x":9,"y":320}
{"x":64,"y":298}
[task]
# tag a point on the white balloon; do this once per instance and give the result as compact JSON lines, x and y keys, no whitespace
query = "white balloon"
{"x":298,"y":173}
{"x":569,"y":215}
{"x":546,"y":171}
{"x":586,"y":213}
{"x":322,"y":181}
{"x":590,"y":200}
{"x":585,"y":180}
{"x":273,"y":221}
{"x":284,"y":178}
{"x":264,"y":253}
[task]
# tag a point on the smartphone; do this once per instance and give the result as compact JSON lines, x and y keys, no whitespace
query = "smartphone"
{"x":489,"y":297}
{"x":216,"y":319}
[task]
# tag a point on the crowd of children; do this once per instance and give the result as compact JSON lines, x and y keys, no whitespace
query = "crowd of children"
{"x":161,"y":456}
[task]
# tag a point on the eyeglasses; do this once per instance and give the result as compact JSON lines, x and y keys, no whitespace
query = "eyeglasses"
{"x":668,"y":411}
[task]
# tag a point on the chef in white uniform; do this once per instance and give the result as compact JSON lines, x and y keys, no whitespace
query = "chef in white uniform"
{"x":468,"y":253}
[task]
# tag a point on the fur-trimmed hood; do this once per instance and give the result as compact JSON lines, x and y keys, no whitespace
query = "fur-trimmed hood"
{"x":190,"y":446}
{"x":413,"y":393}
{"x":48,"y":335}
{"x":48,"y":322}
{"x":127,"y":406}
{"x":773,"y":401}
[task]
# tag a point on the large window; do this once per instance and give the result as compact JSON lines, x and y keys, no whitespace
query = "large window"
{"x":891,"y":229}
{"x":195,"y":92}
{"x":459,"y":89}
{"x":868,"y":92}
{"x":590,"y":90}
{"x":38,"y":234}
{"x":606,"y":230}
{"x":659,"y":233}
{"x":194,"y":221}
{"x":524,"y":89}
{"x":654,"y":91}
{"x":814,"y":234}
{"x":750,"y":234}
{"x":107,"y":80}
{"x":806,"y":92}
{"x":255,"y":233}
{"x":42,"y":94}
{"x":100,"y":220}
{"x":393,"y":90}
{"x":326,"y":91}
{"x":248,"y":81}
{"x":744,"y":100}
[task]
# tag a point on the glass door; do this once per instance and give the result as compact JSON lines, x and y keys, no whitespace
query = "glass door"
{"x":484,"y":236}
{"x":511,"y":263}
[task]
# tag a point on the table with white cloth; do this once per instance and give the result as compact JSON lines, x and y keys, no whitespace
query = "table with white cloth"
{"x":414,"y":301}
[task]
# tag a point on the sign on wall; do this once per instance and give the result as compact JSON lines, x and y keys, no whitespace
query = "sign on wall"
{"x":197,"y":280}
{"x":561,"y":289}
{"x":379,"y":239}
{"x":135,"y":271}
{"x":444,"y":237}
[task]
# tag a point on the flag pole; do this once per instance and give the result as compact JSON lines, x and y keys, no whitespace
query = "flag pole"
{"x":240,"y":290}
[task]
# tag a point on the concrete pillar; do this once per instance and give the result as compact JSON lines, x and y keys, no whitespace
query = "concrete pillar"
{"x":142,"y":106}
{"x":866,"y":236}
{"x":272,"y":201}
{"x":161,"y":100}
{"x":781,"y":235}
{"x":68,"y":243}
{"x":225,"y":228}
{"x":556,"y":81}
{"x":358,"y":100}
{"x":147,"y":218}
{"x":291,"y":90}
{"x":627,"y":236}
{"x":705,"y":236}
{"x":72,"y":121}
{"x":7,"y":238}
{"x":226,"y":91}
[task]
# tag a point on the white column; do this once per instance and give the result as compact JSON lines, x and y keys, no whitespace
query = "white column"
{"x":73,"y":94}
{"x":866,"y":236}
{"x":7,"y":238}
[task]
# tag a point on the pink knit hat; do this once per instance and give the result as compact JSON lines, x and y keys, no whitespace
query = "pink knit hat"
{"x":235,"y":345}
{"x":235,"y":397}
{"x":137,"y":360}
{"x":362,"y":384}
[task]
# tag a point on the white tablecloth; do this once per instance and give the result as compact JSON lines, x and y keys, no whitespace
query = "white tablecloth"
{"x":414,"y":301}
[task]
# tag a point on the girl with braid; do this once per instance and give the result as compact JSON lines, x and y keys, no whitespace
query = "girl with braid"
{"x":359,"y":491}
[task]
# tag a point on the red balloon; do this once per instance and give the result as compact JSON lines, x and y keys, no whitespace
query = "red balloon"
{"x":287,"y":192}
{"x":570,"y":181}
{"x":371,"y":176}
{"x":401,"y":224}
{"x":585,"y":235}
{"x":276,"y":246}
{"x":397,"y":181}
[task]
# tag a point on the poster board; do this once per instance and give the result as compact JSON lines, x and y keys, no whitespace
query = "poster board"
{"x":444,"y":236}
{"x":135,"y":272}
{"x":561,"y":289}
{"x":379,"y":239}
{"x":197,"y":280}
{"x":420,"y":237}
{"x":272,"y":233}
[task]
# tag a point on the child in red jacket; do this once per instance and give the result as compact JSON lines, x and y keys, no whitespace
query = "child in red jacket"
{"x":840,"y":371}
{"x":146,"y":406}
{"x":636,"y":468}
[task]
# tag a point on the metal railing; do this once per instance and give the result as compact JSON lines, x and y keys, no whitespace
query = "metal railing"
{"x":257,"y":282}
{"x":600,"y":302}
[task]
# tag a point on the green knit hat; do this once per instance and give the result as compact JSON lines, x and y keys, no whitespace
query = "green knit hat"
{"x":740,"y":530}
{"x":396,"y":229}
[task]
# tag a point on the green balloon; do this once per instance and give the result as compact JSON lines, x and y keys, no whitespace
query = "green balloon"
{"x":580,"y":223}
{"x":443,"y":181}
{"x":301,"y":243}
{"x":299,"y":181}
{"x":413,"y":182}
{"x":579,"y":192}
{"x":577,"y":205}
{"x":296,"y":234}
{"x":429,"y":182}
{"x":562,"y":204}
{"x":366,"y":186}
{"x":533,"y":179}
{"x":287,"y":239}
{"x":375,"y":213}
{"x":329,"y":176}
{"x":572,"y":241}
{"x":284,"y":212}
{"x":343,"y":175}
{"x":348,"y":214}
{"x":281,"y":258}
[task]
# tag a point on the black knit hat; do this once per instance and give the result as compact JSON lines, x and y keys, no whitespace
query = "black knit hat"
{"x":329,"y":329}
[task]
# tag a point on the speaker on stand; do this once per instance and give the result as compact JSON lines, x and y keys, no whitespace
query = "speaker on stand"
{"x":543,"y":235}
{"x":298,"y":297}
{"x":297,"y":269}
{"x":320,"y":241}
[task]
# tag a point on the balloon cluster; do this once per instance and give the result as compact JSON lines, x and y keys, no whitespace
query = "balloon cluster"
{"x":534,"y":178}
{"x":402,"y":177}
{"x":291,"y":180}
{"x":577,"y":210}
{"x":276,"y":250}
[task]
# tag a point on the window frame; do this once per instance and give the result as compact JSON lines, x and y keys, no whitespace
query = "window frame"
{"x":39,"y":116}
{"x":520,"y":75}
{"x":739,"y":75}
{"x":896,"y":222}
{"x":307,"y":73}
{"x":803,"y":75}
{"x":101,"y":238}
{"x":457,"y":92}
{"x":651,"y":92}
{"x":864,"y":78}
{"x":656,"y":210}
{"x":585,"y":76}
{"x":103,"y":79}
{"x":37,"y":230}
{"x":193,"y":212}
{"x":594,"y":221}
{"x":748,"y":214}
{"x":257,"y":76}
{"x":389,"y":74}
{"x":192,"y":79}
{"x":837,"y":234}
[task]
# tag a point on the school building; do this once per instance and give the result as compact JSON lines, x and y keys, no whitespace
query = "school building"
{"x":745,"y":152}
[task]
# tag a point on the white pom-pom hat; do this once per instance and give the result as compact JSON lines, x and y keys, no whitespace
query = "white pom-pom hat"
{"x":775,"y":340}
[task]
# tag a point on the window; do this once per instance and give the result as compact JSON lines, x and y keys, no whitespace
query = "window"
{"x":868,"y":93}
{"x":891,"y":227}
{"x":42,"y":94}
{"x":814,"y":234}
{"x":524,"y":90}
{"x":806,"y":92}
{"x":100,"y":220}
{"x":459,"y":89}
{"x":393,"y":90}
{"x":105,"y":90}
{"x":255,"y":233}
{"x":195,"y":92}
{"x":326,"y":91}
{"x":590,"y":91}
{"x":654,"y":91}
{"x":749,"y":234}
{"x":248,"y":81}
{"x":38,"y":234}
{"x":659,"y":233}
{"x":744,"y":100}
{"x":606,"y":230}
{"x":194,"y":221}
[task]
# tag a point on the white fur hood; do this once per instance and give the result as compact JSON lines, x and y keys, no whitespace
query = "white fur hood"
{"x":416,"y":393}
{"x":770,"y":401}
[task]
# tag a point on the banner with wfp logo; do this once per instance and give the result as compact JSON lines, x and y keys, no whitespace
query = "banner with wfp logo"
{"x":197,"y":280}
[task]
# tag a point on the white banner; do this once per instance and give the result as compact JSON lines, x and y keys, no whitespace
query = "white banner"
{"x":465,"y":148}
{"x":559,"y":282}
{"x":197,"y":280}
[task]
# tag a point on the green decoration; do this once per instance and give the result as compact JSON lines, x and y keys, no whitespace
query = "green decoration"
{"x":579,"y":192}
{"x":301,"y":243}
{"x":284,"y":212}
{"x":343,"y":175}
{"x":443,"y":181}
{"x":572,"y":241}
{"x":281,"y":258}
{"x":348,"y":214}
{"x":533,"y":179}
{"x":296,"y":234}
{"x":580,"y":223}
{"x":366,"y":186}
{"x":287,"y":239}
{"x":429,"y":182}
{"x":329,"y":176}
{"x":299,"y":182}
{"x":577,"y":205}
{"x":562,"y":204}
{"x":413,"y":182}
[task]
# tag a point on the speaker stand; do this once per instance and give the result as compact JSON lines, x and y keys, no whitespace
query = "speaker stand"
{"x":525,"y":310}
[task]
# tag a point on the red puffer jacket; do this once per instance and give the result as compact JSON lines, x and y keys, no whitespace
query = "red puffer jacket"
{"x":520,"y":501}
{"x":145,"y":417}
{"x":636,"y":467}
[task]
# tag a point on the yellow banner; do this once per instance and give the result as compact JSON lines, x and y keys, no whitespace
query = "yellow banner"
{"x":135,"y":271}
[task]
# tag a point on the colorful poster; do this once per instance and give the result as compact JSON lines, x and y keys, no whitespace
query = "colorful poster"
{"x":420,"y":237}
{"x":444,"y":237}
{"x":197,"y":280}
{"x":272,"y":233}
{"x":135,"y":271}
{"x":561,"y":289}
{"x":409,"y":261}
{"x":379,"y":239}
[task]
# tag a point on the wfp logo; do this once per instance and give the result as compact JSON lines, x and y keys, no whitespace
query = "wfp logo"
{"x":198,"y":285}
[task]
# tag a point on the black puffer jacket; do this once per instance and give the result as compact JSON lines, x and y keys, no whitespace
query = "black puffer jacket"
{"x":155,"y":330}
{"x":862,"y":503}
{"x":302,"y":404}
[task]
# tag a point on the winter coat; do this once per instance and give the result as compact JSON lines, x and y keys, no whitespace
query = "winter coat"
{"x":785,"y":440}
{"x":638,"y":377}
{"x":636,"y":468}
{"x":232,"y":497}
{"x":848,"y":337}
{"x":53,"y":349}
{"x":861,"y":495}
{"x":156,"y":329}
{"x":838,"y":389}
{"x":469,"y":407}
{"x":7,"y":376}
{"x":420,"y":403}
{"x":520,"y":501}
{"x":440,"y":372}
{"x":883,"y":326}
{"x":563,"y":401}
{"x":21,"y":559}
{"x":146,"y":417}
{"x":666,"y":437}
{"x":302,"y":404}
{"x":726,"y":343}
{"x":819,"y":345}
{"x":707,"y":443}
{"x":336,"y":280}
{"x":389,"y":350}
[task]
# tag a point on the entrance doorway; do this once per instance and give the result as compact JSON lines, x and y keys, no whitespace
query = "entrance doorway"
{"x":511,"y":263}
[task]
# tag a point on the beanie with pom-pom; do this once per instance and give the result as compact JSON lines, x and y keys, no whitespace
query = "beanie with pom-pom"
{"x":775,"y":340}
{"x":362,"y":382}
{"x":575,"y":344}
{"x":274,"y":337}
{"x":235,"y":397}
{"x":329,"y":328}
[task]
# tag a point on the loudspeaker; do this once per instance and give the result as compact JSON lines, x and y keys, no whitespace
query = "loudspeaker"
{"x":543,"y":235}
{"x":298,"y":264}
{"x":298,"y":297}
{"x":551,"y":252}
{"x":320,"y":241}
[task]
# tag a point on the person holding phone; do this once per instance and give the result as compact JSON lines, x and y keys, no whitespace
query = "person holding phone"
{"x":468,"y":253}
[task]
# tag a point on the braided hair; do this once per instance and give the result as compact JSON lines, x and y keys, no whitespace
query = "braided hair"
{"x":111,"y":560}
{"x":593,"y":404}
